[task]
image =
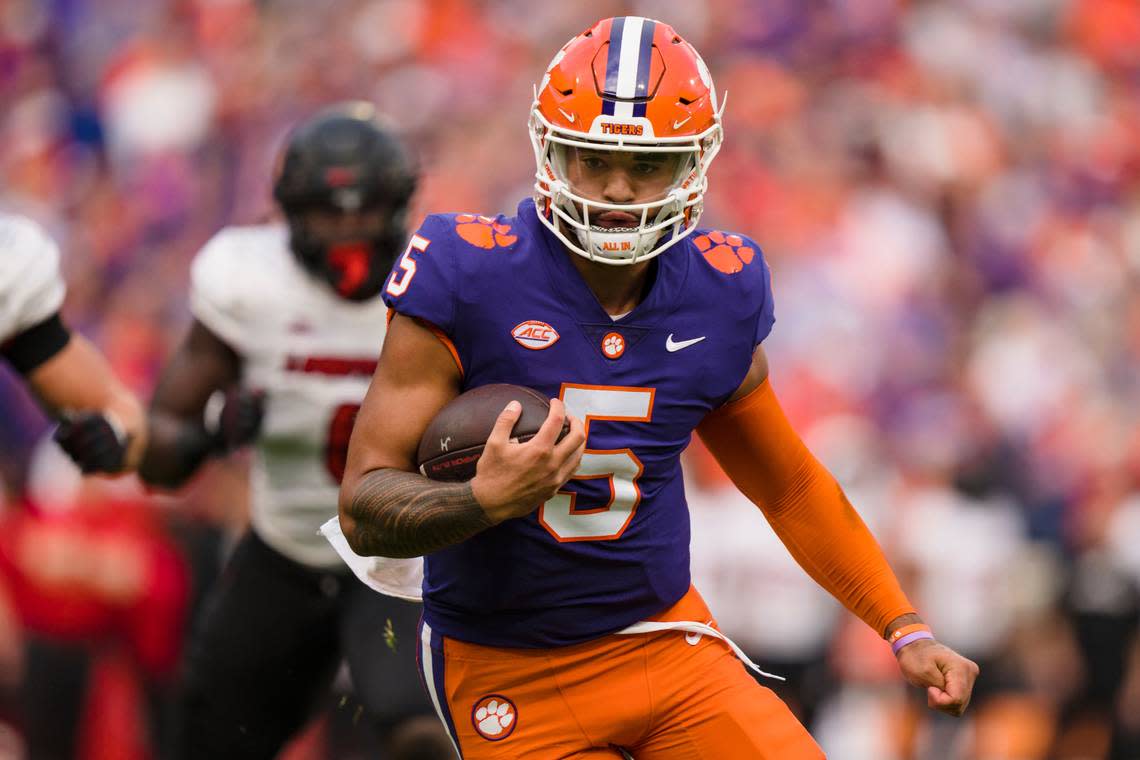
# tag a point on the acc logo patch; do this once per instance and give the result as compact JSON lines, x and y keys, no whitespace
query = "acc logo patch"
{"x":484,"y":232}
{"x":613,"y":345}
{"x":494,"y":717}
{"x":535,"y":335}
{"x":726,"y":253}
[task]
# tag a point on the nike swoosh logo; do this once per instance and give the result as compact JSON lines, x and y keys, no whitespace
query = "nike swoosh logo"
{"x":681,"y":123}
{"x":570,"y":116}
{"x":671,"y":345}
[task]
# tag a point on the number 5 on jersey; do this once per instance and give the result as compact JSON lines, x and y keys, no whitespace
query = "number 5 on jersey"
{"x":400,"y":281}
{"x":562,"y":515}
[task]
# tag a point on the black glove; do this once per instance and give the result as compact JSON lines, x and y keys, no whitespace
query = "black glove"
{"x":93,"y":441}
{"x":240,"y":419}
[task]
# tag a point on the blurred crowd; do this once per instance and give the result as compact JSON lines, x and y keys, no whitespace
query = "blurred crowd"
{"x":948,"y":194}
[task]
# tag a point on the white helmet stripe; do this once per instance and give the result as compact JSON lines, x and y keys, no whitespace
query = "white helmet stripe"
{"x":628,"y":61}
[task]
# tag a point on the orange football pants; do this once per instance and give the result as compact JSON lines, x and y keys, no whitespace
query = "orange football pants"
{"x":655,"y":696}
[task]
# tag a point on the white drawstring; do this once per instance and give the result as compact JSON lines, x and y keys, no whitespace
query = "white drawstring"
{"x":691,"y":626}
{"x":402,"y":578}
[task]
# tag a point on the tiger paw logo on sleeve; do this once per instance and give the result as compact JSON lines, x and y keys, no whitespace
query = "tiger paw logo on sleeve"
{"x":726,"y":253}
{"x":484,"y":232}
{"x":494,"y":717}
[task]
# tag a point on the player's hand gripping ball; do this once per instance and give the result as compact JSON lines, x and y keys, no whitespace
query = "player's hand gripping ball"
{"x":453,"y":442}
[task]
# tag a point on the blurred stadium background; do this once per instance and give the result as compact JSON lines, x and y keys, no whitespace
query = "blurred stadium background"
{"x":948,"y":194}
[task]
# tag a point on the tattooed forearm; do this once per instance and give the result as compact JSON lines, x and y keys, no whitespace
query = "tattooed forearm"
{"x":403,"y":514}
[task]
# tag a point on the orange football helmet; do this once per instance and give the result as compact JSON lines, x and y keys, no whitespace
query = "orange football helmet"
{"x":625,"y":84}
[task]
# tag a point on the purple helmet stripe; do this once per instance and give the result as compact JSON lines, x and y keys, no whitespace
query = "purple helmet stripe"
{"x":613,"y":60}
{"x":644,"y":58}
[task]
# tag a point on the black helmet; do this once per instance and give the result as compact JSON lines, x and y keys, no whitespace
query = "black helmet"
{"x":344,"y":159}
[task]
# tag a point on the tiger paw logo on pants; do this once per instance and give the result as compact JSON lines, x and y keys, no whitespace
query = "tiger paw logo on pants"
{"x":483,"y":231}
{"x":494,"y":717}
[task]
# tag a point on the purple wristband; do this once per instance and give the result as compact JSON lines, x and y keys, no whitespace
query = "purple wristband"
{"x":910,"y":638}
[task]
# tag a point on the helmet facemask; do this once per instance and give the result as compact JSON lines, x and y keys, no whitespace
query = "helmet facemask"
{"x":352,"y":256}
{"x":662,"y":221}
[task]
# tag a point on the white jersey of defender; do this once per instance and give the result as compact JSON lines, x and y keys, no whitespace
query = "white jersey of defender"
{"x":31,"y":289}
{"x":312,"y":353}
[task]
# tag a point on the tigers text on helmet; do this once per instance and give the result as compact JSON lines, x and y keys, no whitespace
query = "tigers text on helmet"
{"x":344,"y":164}
{"x":626,"y":84}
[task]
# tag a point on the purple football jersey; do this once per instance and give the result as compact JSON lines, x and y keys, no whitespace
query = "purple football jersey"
{"x":613,"y":547}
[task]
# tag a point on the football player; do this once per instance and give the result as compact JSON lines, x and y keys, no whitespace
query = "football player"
{"x":101,"y":423}
{"x":559,"y":616}
{"x":287,"y":327}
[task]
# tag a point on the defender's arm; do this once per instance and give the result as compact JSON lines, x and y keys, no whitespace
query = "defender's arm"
{"x":70,"y":375}
{"x":179,"y":440}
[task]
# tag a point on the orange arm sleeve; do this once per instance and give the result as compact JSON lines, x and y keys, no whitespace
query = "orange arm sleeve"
{"x":758,"y":449}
